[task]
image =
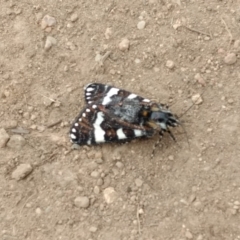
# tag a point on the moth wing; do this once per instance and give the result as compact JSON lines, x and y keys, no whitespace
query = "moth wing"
{"x":108,"y":95}
{"x":94,"y":126}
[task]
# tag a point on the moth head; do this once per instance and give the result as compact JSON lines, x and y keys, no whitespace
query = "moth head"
{"x":164,"y":118}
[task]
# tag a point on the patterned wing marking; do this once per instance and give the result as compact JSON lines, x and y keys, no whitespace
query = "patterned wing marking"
{"x":95,"y":126}
{"x":94,"y":92}
{"x":107,"y":98}
{"x":108,"y":95}
{"x":98,"y":132}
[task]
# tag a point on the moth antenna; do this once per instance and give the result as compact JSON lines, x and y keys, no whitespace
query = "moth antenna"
{"x":184,"y":88}
{"x":192,"y":104}
{"x":185,"y":132}
{"x":171,"y":135}
{"x":156,"y":144}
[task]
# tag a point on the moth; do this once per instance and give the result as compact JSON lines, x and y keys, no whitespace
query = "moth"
{"x":116,"y":115}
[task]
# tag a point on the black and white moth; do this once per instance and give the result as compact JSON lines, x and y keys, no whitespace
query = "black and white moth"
{"x":112,"y":114}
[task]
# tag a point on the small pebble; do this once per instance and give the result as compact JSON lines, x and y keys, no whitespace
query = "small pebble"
{"x":119,"y":164}
{"x":50,"y":41}
{"x":108,"y":33}
{"x":188,"y":235}
{"x":237,"y":203}
{"x":230,"y":59}
{"x":236,"y":44}
{"x":233,"y":211}
{"x":192,"y":198}
{"x":124,"y":44}
{"x":197,"y":99}
{"x":98,"y":57}
{"x":140,"y":211}
{"x":16,"y":141}
{"x":70,"y":46}
{"x":39,"y":16}
{"x":141,"y":25}
{"x":96,"y":190}
{"x":48,"y":21}
{"x":209,"y":130}
{"x":116,"y":157}
{"x":110,"y":195}
{"x":100,"y":182}
{"x":38,"y":211}
{"x":200,"y":79}
{"x":4,"y":137}
{"x":138,"y":182}
{"x":112,"y":72}
{"x":22,"y":171}
{"x":197,"y":204}
{"x":200,"y":237}
{"x":95,"y":174}
{"x":99,"y":160}
{"x":137,"y":60}
{"x":11,"y":124}
{"x":82,"y":202}
{"x":170,"y":64}
{"x":93,"y":229}
{"x":74,"y":17}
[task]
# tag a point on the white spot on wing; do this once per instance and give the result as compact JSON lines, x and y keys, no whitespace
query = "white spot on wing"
{"x":72,"y":136}
{"x":84,"y":114}
{"x":146,"y":100}
{"x":138,"y":133}
{"x":88,"y":110}
{"x":88,"y":85}
{"x":88,"y":94}
{"x":121,"y":134}
{"x":94,"y":106}
{"x":98,"y":131}
{"x":131,"y":96}
{"x":74,"y":130}
{"x":107,"y":98}
{"x":89,"y":89}
{"x":163,"y":126}
{"x":76,"y":124}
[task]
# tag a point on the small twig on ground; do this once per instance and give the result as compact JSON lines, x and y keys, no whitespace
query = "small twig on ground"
{"x":99,"y":64}
{"x":20,"y":130}
{"x":51,"y":99}
{"x":138,"y":220}
{"x":54,"y":124}
{"x":229,"y":32}
{"x":104,"y":57}
{"x":196,"y":31}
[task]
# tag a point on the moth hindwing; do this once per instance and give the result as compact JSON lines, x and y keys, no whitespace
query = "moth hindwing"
{"x":112,"y":114}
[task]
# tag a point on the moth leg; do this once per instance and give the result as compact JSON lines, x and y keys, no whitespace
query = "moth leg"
{"x":157,"y":143}
{"x":171,"y":135}
{"x":153,"y":125}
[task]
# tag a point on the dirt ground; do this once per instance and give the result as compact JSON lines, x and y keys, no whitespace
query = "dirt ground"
{"x":178,"y":49}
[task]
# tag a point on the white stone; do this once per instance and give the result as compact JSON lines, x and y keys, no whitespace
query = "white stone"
{"x":4,"y":137}
{"x":141,"y":25}
{"x":82,"y":202}
{"x":197,"y":99}
{"x":110,"y":195}
{"x":170,"y":64}
{"x":22,"y":171}
{"x":124,"y":44}
{"x":230,"y":59}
